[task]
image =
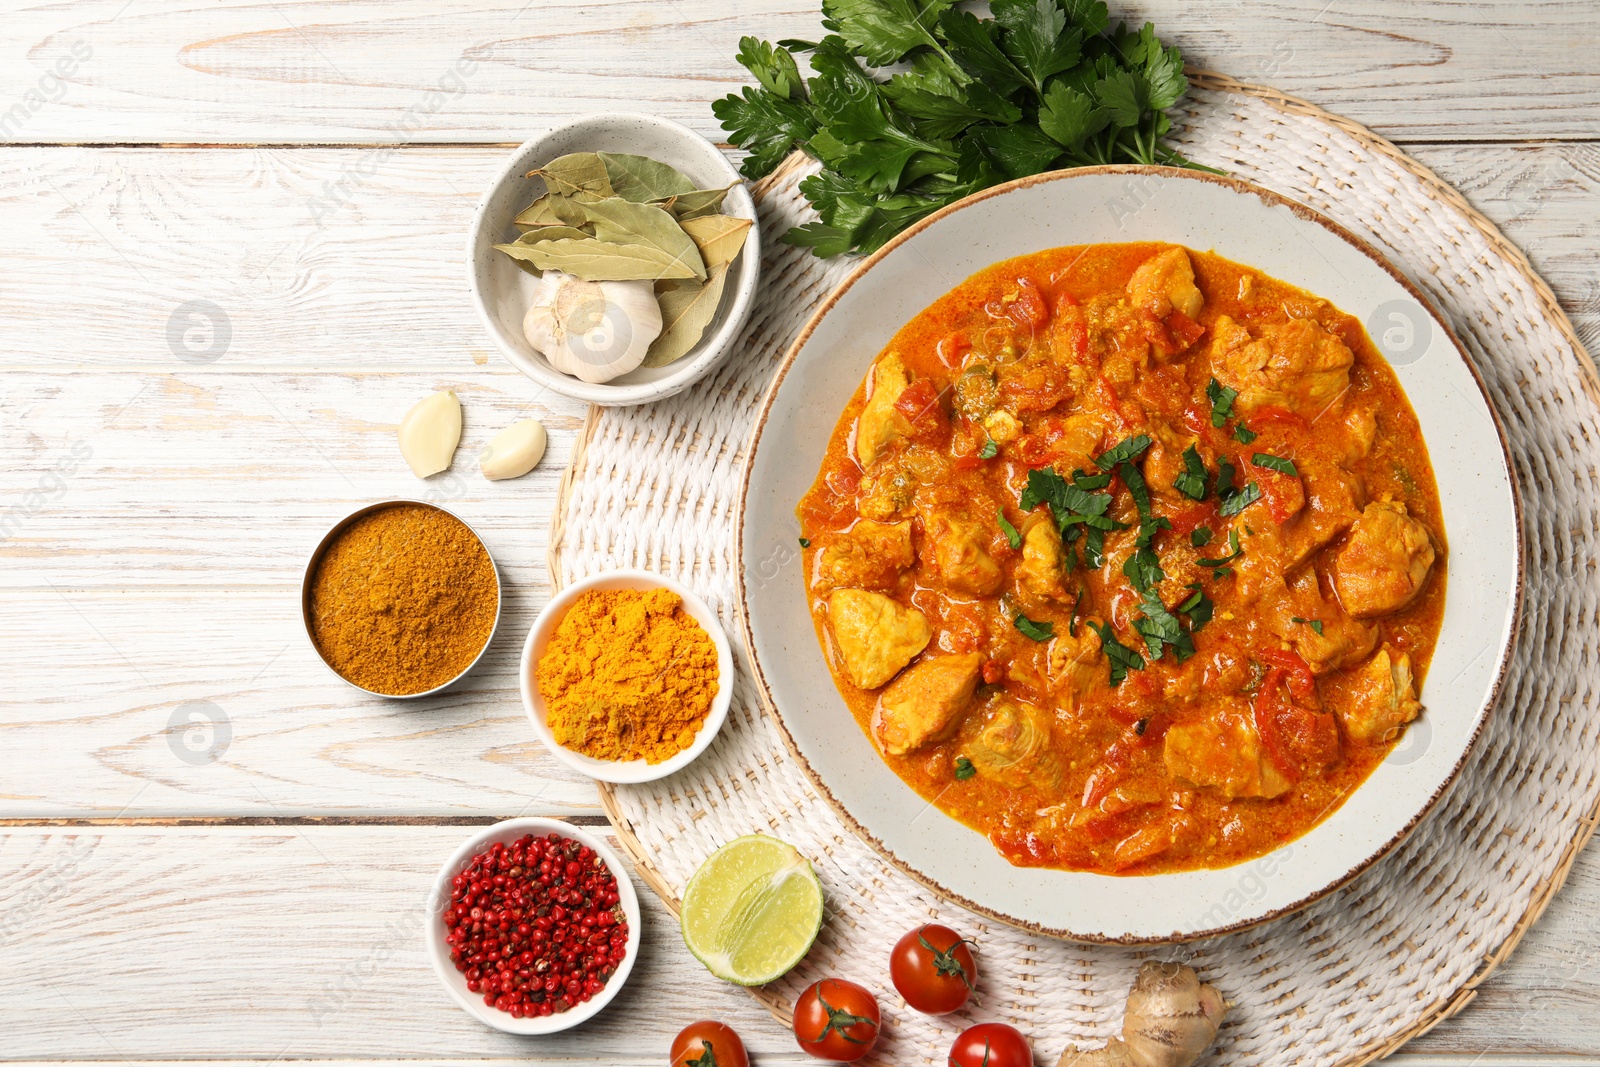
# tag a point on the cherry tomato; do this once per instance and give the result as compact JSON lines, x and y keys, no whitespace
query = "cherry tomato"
{"x":991,"y":1045}
{"x":933,"y":969}
{"x":836,"y":1020}
{"x":708,"y":1043}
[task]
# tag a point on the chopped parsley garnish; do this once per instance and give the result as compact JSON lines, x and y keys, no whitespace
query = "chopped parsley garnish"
{"x":964,"y":769}
{"x":805,"y":542}
{"x":1192,"y":482}
{"x":1038,"y":631}
{"x":1275,"y":463}
{"x":1200,"y":537}
{"x":1159,"y":628}
{"x":1143,"y":569}
{"x":1243,"y":434}
{"x":1222,"y":399}
{"x":1122,"y":452}
{"x":1013,"y":538}
{"x":1315,"y":624}
{"x":1090,"y":482}
{"x":1234,"y":552}
{"x":1236,"y":500}
{"x":989,"y":450}
{"x":1122,"y":658}
{"x":1198,"y":608}
{"x":1069,"y":504}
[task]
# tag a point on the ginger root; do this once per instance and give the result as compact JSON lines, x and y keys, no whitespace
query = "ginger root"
{"x":1171,"y":1020}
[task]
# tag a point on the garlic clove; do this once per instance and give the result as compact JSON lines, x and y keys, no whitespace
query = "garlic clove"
{"x":514,"y":451}
{"x":430,"y":432}
{"x":594,"y":331}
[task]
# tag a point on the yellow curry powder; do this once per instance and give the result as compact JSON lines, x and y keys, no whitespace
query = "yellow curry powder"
{"x":403,"y":600}
{"x":628,"y":675}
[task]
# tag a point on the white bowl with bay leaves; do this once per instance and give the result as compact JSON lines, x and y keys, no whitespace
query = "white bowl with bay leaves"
{"x":703,"y":309}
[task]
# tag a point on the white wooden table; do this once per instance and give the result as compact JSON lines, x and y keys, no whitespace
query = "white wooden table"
{"x":303,"y":173}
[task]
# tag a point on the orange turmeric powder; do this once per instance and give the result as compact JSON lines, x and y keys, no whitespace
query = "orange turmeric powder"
{"x":628,"y":675}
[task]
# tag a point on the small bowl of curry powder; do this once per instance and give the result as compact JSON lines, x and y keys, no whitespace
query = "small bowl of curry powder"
{"x":627,"y":676}
{"x":401,"y":599}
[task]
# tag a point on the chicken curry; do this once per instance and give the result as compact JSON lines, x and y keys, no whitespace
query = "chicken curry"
{"x":1128,"y":557}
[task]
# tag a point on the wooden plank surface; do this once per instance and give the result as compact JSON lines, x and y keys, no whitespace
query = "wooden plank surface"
{"x":492,"y":70}
{"x":302,"y":942}
{"x":158,"y":501}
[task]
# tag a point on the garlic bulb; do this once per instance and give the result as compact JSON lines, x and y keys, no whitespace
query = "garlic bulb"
{"x":594,"y":331}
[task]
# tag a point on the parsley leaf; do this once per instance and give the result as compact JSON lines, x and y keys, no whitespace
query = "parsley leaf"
{"x":1090,"y":482}
{"x":1222,"y":399}
{"x":773,"y":67}
{"x":1200,"y":536}
{"x":1013,"y":538}
{"x":1122,"y":452}
{"x":1143,"y":569}
{"x":990,"y":449}
{"x":1198,"y":608}
{"x":1236,"y":500}
{"x":1038,"y":631}
{"x":1243,"y":434}
{"x":1069,"y":504}
{"x":1037,"y":38}
{"x":765,"y":125}
{"x":805,"y":542}
{"x":883,"y":31}
{"x":1315,"y":624}
{"x":1275,"y":463}
{"x":1122,"y":658}
{"x":964,"y":769}
{"x":1192,"y":482}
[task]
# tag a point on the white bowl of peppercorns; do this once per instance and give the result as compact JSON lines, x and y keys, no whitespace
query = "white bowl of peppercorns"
{"x":533,"y":925}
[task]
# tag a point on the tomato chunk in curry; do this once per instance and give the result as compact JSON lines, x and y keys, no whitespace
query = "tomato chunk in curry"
{"x":1128,"y":557}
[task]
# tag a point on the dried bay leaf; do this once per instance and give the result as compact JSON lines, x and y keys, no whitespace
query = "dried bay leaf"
{"x":687,"y":308}
{"x":551,"y":233}
{"x":624,"y":222}
{"x":576,"y":172}
{"x":692,"y":205}
{"x":640,"y":178}
{"x":595,"y":260}
{"x":718,"y":237}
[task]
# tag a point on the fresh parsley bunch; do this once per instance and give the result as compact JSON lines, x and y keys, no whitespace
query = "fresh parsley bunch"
{"x":974,"y":102}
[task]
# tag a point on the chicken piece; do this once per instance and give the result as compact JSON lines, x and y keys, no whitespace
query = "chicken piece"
{"x":1333,"y":502}
{"x":1342,"y":640}
{"x":876,"y":636}
{"x":880,"y":423}
{"x":959,"y":560}
{"x":1013,"y":747}
{"x":1165,"y":282}
{"x":925,"y":703}
{"x":1360,"y":430}
{"x":1075,"y":663}
{"x":1379,"y":699}
{"x":1041,"y":575}
{"x":869,"y":555}
{"x":1385,"y":563}
{"x":1223,"y":752}
{"x":1296,"y":365}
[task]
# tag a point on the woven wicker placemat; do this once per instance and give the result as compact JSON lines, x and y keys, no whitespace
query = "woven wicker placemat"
{"x":1355,"y":975}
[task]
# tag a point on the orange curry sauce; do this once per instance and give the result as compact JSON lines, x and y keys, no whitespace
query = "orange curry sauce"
{"x":973,"y":638}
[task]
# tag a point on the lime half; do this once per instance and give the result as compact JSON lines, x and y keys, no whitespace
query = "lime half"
{"x":752,"y":910}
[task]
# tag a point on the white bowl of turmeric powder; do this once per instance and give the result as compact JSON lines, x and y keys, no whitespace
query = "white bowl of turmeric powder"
{"x":627,"y":676}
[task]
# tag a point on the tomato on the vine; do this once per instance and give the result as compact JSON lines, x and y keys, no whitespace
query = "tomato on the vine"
{"x":991,"y":1045}
{"x":835,"y":1019}
{"x":708,"y":1043}
{"x":933,"y":969}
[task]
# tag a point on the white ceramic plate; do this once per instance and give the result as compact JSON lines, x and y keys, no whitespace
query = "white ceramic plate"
{"x":1240,"y":222}
{"x":634,"y":771}
{"x":439,"y":954}
{"x":501,"y":291}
